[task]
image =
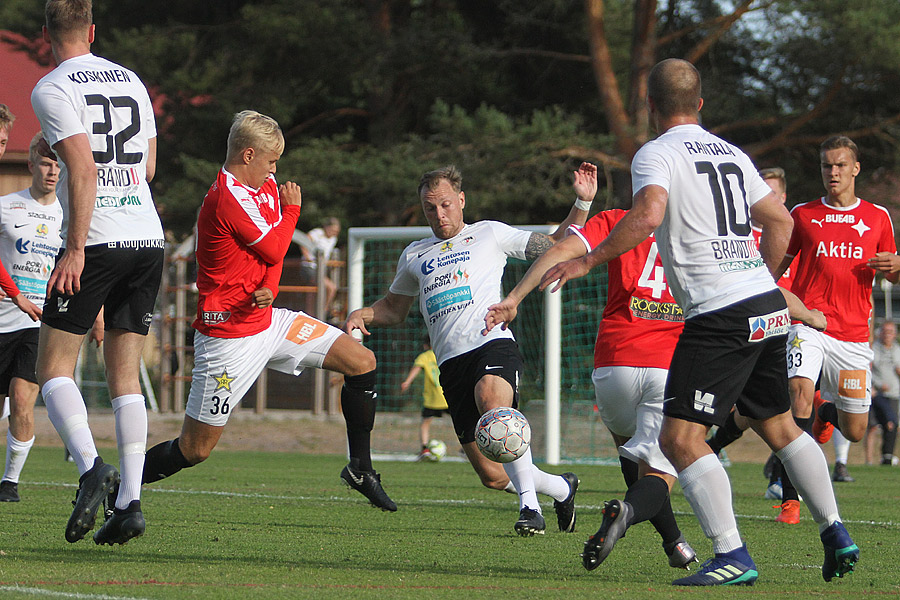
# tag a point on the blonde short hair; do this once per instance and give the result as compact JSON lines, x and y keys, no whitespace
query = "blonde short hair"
{"x":65,"y":18}
{"x":251,"y":129}
{"x":33,"y":155}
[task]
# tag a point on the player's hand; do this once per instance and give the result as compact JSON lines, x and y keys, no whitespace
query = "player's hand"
{"x":585,"y":185}
{"x":289,"y":194}
{"x":404,"y":386}
{"x":28,"y":307}
{"x":501,"y":314}
{"x":563,"y":272}
{"x":886,"y":262}
{"x":356,"y":321}
{"x":263,"y":297}
{"x":66,"y":277}
{"x":816,"y":319}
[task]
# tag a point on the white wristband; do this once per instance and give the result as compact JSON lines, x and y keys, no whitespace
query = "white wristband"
{"x":583,"y":204}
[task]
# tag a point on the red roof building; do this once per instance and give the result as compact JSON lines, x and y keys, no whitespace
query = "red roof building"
{"x":18,"y":75}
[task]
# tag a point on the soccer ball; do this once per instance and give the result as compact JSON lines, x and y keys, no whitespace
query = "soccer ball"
{"x":503,"y":434}
{"x":438,"y":450}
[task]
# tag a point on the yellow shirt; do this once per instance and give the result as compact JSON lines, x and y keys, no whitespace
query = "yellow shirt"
{"x":433,"y":394}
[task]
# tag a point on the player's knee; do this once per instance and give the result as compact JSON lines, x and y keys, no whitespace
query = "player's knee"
{"x":494,"y":483}
{"x":362,"y":364}
{"x":194,"y":454}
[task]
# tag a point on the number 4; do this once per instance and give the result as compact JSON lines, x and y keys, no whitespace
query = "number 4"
{"x":653,"y":276}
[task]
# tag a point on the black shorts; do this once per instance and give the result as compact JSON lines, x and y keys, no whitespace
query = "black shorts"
{"x":460,"y":374}
{"x":18,"y":356}
{"x":434,"y":412}
{"x":716,"y":365}
{"x":124,"y":281}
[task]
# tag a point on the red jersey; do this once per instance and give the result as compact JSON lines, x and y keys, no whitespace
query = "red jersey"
{"x":787,"y":278}
{"x":641,"y":321}
{"x":242,"y":237}
{"x":7,"y":284}
{"x":832,"y":245}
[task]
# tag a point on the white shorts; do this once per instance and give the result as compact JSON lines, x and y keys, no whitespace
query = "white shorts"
{"x":225,"y":368}
{"x":630,"y":400}
{"x":844,"y":367}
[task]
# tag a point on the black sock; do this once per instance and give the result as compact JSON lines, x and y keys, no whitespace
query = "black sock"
{"x":665,"y":523}
{"x":358,"y":401}
{"x":804,"y":424}
{"x":888,"y":439}
{"x":163,"y":460}
{"x":629,"y":470}
{"x":725,"y":434}
{"x":828,"y":413}
{"x":646,"y":497}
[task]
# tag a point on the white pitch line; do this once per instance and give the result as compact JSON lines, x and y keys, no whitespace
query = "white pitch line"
{"x":440,"y":501}
{"x":56,"y":594}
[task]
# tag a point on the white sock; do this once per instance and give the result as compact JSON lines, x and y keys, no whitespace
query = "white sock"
{"x":550,"y":485}
{"x":67,"y":412}
{"x":16,"y":453}
{"x":708,"y":490}
{"x":131,"y":436}
{"x":841,"y":447}
{"x":521,"y":475}
{"x":808,"y":469}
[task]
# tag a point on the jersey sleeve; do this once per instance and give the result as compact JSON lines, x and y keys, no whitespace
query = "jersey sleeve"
{"x":597,"y":228}
{"x":649,"y":167}
{"x":404,"y":284}
{"x":887,"y":242}
{"x":55,"y":111}
{"x":512,"y":240}
{"x":794,"y":245}
{"x":243,"y":217}
{"x":421,"y":361}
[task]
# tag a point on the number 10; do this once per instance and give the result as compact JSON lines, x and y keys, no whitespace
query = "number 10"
{"x":722,"y":200}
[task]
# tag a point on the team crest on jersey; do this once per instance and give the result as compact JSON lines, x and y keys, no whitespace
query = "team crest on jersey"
{"x":42,"y":230}
{"x":861,"y":228}
{"x":766,"y":326}
{"x":446,"y":247}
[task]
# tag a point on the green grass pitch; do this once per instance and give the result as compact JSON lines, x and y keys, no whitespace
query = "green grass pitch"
{"x":277,"y":525}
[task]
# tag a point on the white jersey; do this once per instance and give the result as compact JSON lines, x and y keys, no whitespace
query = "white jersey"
{"x":456,"y":280}
{"x":321,"y":242}
{"x":29,"y":242}
{"x":705,"y":241}
{"x":91,"y":95}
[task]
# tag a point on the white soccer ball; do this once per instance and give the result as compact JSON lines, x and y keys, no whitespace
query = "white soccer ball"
{"x":438,"y":450}
{"x":503,"y":434}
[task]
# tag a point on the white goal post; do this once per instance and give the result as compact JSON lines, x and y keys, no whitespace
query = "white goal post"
{"x":358,"y":236}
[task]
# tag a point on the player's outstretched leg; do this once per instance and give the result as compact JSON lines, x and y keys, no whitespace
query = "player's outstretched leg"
{"x":123,"y":525}
{"x":358,"y":402}
{"x":163,"y":460}
{"x":93,"y":486}
{"x":841,"y":554}
{"x":680,"y":553}
{"x":616,"y":516}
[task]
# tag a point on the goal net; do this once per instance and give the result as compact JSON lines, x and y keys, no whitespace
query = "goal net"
{"x":555,"y":333}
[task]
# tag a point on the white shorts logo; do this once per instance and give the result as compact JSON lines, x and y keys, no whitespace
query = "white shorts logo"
{"x":703,"y":402}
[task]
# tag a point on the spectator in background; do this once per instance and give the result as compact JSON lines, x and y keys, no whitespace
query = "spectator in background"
{"x":886,"y":396}
{"x":323,"y":238}
{"x":433,"y":402}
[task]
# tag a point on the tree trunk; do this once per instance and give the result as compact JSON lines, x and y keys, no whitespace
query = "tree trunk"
{"x":601,"y":61}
